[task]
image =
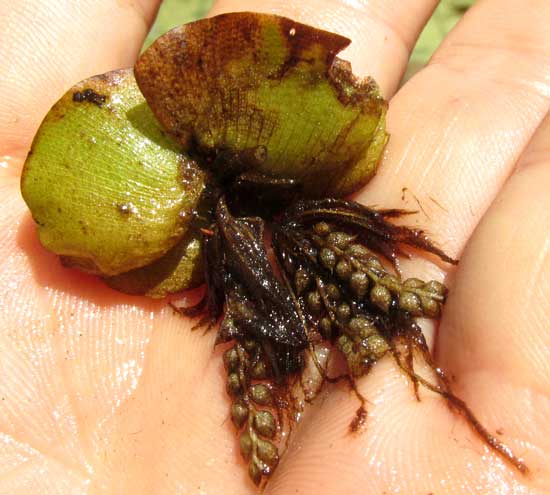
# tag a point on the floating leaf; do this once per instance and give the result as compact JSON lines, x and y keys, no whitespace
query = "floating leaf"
{"x":108,"y":190}
{"x":241,"y":80}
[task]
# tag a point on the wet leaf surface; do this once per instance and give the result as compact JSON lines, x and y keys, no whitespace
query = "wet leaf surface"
{"x":108,"y":190}
{"x":242,"y":80}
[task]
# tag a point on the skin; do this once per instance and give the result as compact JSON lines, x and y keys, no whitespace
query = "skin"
{"x":106,"y":393}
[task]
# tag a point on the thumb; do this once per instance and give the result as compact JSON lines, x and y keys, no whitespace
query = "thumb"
{"x":49,"y":46}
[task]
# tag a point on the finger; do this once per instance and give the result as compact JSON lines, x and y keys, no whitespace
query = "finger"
{"x":46,"y":47}
{"x":405,"y":447}
{"x":383,"y":33}
{"x":456,"y":135}
{"x":458,"y":127}
{"x":498,"y":313}
{"x":494,"y":341}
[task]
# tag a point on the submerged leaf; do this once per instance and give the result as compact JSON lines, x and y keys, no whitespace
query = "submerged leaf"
{"x":242,"y":80}
{"x":108,"y":190}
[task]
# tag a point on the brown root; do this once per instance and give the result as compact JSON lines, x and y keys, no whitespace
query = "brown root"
{"x":442,"y":388}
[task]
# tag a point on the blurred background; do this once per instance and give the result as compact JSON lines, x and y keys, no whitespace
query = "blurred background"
{"x":175,"y":12}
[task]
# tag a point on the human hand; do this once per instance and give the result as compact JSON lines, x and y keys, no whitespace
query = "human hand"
{"x":106,"y":393}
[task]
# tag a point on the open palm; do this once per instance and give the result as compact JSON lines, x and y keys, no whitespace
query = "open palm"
{"x":106,"y":393}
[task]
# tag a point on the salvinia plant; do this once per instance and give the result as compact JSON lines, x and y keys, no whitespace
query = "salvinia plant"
{"x":168,"y":176}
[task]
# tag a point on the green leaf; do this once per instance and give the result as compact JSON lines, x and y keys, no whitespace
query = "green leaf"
{"x":108,"y":190}
{"x":179,"y":269}
{"x":241,"y":80}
